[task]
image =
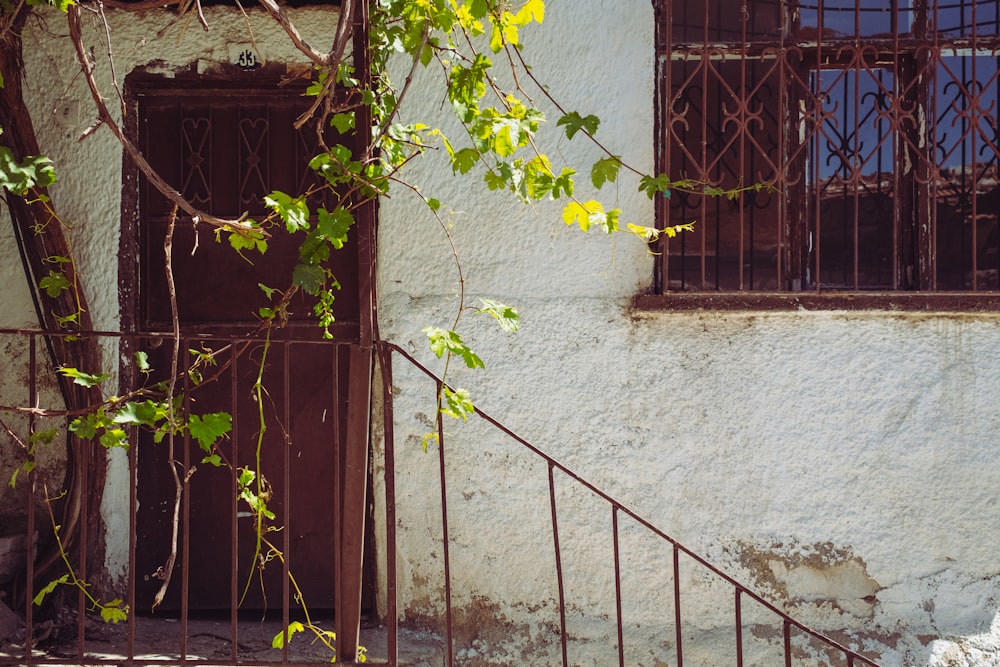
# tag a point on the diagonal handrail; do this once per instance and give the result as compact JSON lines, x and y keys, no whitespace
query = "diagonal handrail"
{"x":618,"y":508}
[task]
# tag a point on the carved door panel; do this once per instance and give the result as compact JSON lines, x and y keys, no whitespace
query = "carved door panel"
{"x":224,"y":150}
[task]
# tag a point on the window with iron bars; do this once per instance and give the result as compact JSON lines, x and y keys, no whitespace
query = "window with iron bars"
{"x":870,"y":125}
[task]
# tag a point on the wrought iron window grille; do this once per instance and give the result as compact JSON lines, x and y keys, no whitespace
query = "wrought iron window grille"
{"x":872,"y":124}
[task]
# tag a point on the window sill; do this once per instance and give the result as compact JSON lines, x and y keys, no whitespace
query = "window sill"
{"x":960,"y":302}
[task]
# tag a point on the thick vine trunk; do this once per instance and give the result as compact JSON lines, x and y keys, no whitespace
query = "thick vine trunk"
{"x":40,"y":235}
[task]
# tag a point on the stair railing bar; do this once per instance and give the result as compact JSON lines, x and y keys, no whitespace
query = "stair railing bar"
{"x":739,"y":628}
{"x":338,"y":494}
{"x":83,"y":452}
{"x":286,"y":545}
{"x":444,"y":536}
{"x":30,"y":544}
{"x":391,"y":611}
{"x":677,"y":605}
{"x":788,"y":642}
{"x":234,"y":507}
{"x":133,"y":506}
{"x":185,"y":533}
{"x":559,"y":570}
{"x":618,"y":587}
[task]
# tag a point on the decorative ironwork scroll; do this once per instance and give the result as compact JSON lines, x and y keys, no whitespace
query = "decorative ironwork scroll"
{"x":871,"y":126}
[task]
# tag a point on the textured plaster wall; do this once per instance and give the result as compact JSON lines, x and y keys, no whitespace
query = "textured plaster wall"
{"x":843,"y":464}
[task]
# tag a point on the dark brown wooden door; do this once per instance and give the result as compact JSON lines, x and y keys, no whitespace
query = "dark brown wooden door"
{"x":224,"y":150}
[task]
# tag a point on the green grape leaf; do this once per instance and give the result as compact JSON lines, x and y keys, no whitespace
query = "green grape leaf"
{"x":334,"y":225}
{"x":48,"y":588}
{"x":506,"y":316}
{"x":83,"y":379}
{"x":114,"y":437}
{"x":309,"y":277}
{"x":651,"y":185}
{"x":246,"y":239}
{"x":583,"y":214}
{"x":464,"y":160}
{"x":45,"y":437}
{"x":142,"y":362}
{"x":604,"y":171}
{"x":531,"y":10}
{"x":294,"y":211}
{"x":137,"y":413}
{"x":113,"y":612}
{"x":54,"y":283}
{"x":208,"y":428}
{"x":457,"y":403}
{"x":574,"y":122}
{"x":213,"y":460}
{"x":445,"y":340}
{"x":279,"y":639}
{"x":344,"y":122}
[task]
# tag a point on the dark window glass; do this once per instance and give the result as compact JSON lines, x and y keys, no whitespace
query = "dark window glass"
{"x":724,"y":21}
{"x":863,"y":18}
{"x":957,"y":19}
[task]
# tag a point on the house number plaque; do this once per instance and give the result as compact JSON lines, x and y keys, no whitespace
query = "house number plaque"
{"x":245,"y":56}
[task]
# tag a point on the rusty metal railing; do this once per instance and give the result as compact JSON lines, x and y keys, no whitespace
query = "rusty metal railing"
{"x":740,"y":594}
{"x":223,"y":605}
{"x":188,"y":631}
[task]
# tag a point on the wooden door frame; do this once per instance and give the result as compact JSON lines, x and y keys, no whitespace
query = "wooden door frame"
{"x":353,"y":504}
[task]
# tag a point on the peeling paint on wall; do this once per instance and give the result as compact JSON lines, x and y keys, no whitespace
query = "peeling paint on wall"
{"x":818,"y":574}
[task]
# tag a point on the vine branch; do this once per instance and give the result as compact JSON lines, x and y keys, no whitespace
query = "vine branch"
{"x":168,"y":567}
{"x":238,"y":225}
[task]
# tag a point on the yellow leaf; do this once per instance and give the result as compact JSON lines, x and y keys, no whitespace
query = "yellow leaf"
{"x":510,"y":34}
{"x":496,"y":39}
{"x":532,"y":9}
{"x":575,"y":212}
{"x":647,"y":234}
{"x":677,"y":229}
{"x":583,"y":214}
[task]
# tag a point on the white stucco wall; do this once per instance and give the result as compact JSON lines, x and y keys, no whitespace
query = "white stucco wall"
{"x":843,"y":464}
{"x":840,"y":463}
